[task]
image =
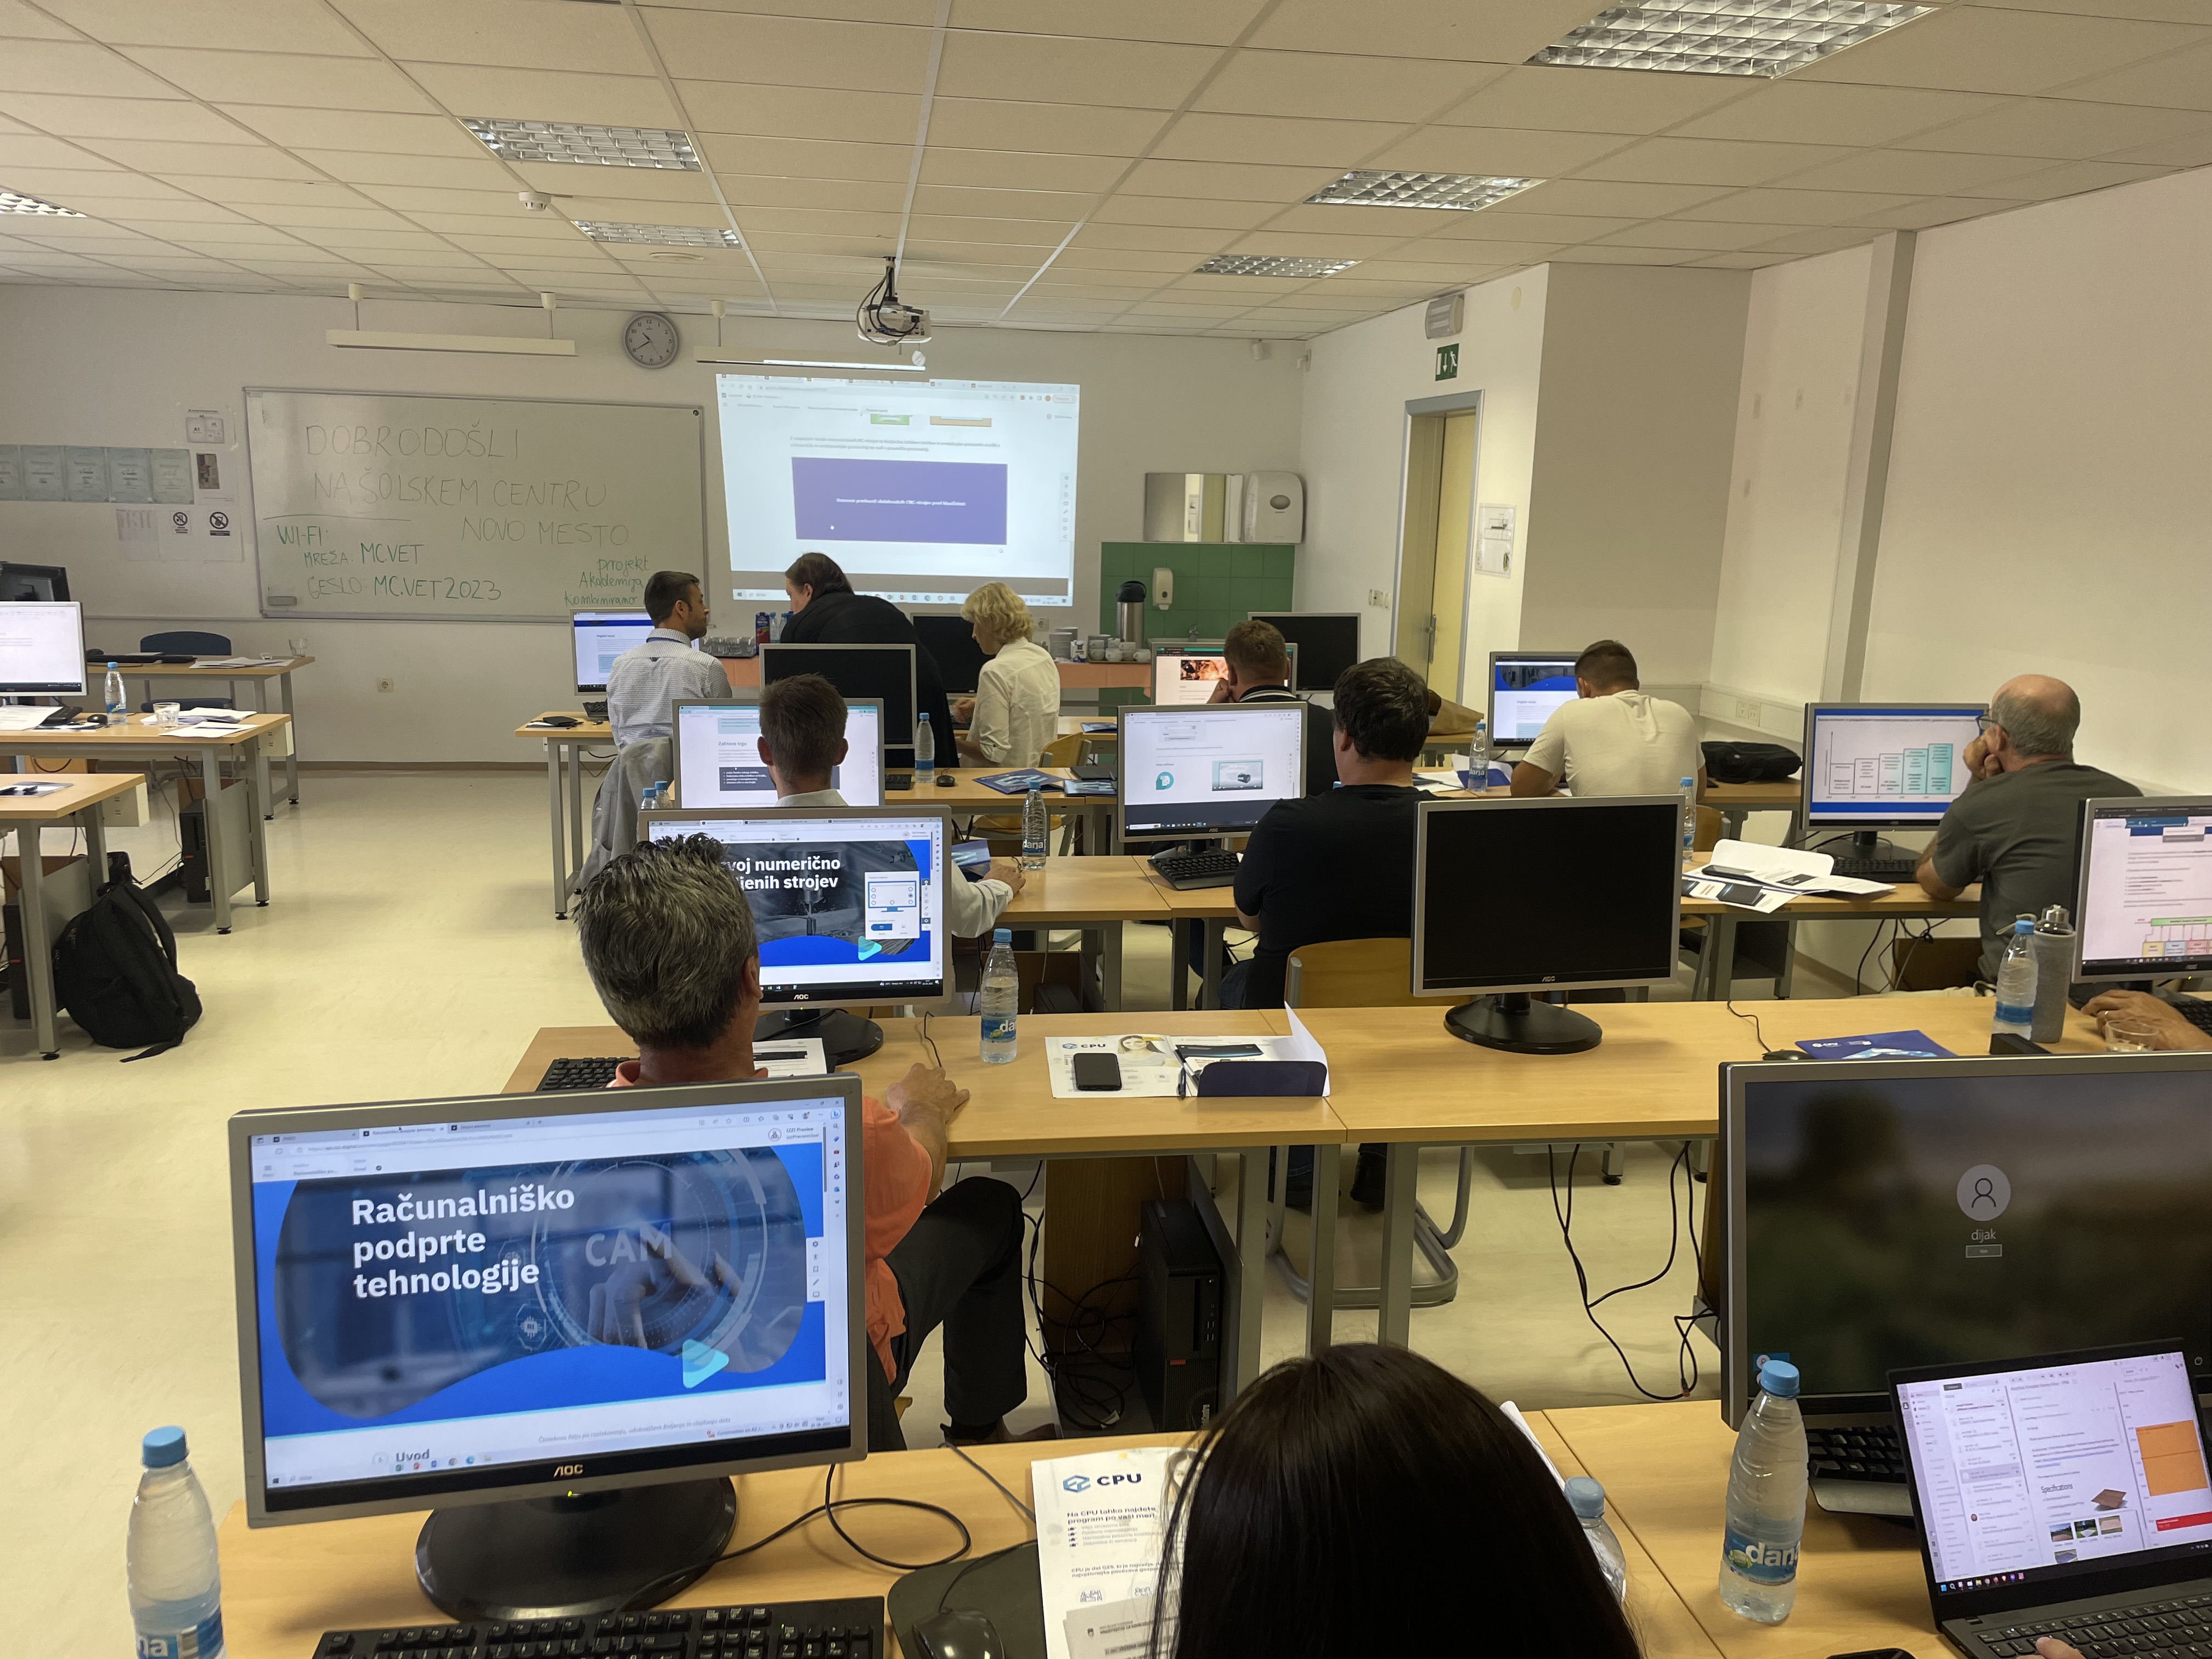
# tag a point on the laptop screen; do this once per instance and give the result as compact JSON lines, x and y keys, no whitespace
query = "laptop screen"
{"x":2055,"y":1468}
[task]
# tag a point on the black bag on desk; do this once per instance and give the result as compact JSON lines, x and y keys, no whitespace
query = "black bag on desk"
{"x":115,"y":973}
{"x":1749,"y":763}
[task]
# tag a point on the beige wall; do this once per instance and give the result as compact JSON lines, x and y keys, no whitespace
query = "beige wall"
{"x":87,"y":366}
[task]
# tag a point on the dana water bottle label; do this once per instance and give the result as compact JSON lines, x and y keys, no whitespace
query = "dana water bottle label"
{"x":203,"y":1641}
{"x":997,"y":1026}
{"x":1772,"y":1565}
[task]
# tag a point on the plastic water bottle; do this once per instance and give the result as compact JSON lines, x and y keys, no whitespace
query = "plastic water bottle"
{"x":2016,"y":981}
{"x":1587,"y":1499}
{"x":1765,"y":1502}
{"x":655,"y":795}
{"x":1001,"y":995}
{"x":1482,"y":755}
{"x":117,"y":714}
{"x":1036,"y":829}
{"x":924,"y":753}
{"x":1689,"y":817}
{"x":176,"y":1588}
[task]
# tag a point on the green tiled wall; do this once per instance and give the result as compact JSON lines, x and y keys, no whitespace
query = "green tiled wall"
{"x":1216,"y":583}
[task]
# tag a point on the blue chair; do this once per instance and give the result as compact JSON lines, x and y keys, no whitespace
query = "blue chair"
{"x":176,"y":644}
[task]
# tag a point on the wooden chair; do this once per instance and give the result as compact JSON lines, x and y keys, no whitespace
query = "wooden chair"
{"x":1364,"y":973}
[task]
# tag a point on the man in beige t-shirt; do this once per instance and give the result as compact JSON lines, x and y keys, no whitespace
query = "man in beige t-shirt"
{"x":1612,"y":740}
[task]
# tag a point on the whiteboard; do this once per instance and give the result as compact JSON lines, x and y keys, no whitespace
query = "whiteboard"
{"x":427,"y":509}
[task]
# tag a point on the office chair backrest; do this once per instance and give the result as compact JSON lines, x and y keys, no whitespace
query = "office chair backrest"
{"x":1352,"y":973}
{"x":179,"y":640}
{"x":1709,"y":830}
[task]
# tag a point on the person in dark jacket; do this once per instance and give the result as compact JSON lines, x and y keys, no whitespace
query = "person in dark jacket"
{"x":825,"y":611}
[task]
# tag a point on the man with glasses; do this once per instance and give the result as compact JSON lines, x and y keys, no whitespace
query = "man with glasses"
{"x":2016,"y":827}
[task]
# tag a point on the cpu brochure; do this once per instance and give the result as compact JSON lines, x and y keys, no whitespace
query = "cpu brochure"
{"x":1153,"y":1067}
{"x":1101,"y":1526}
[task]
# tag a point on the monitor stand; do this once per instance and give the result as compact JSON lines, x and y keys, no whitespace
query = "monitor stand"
{"x":847,"y":1039}
{"x":583,"y":1552}
{"x":1866,"y":844}
{"x":1511,"y":1021}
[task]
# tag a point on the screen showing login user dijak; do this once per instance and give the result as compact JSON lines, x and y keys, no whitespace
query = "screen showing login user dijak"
{"x":846,"y":909}
{"x":922,"y":492}
{"x":1205,"y":771}
{"x":718,"y":758}
{"x":455,"y":1298}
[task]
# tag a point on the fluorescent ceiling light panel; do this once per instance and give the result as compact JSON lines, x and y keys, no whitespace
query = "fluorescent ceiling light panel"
{"x":608,"y":230}
{"x":11,"y":202}
{"x":1270,"y":264}
{"x":1724,"y":36}
{"x":569,"y":140}
{"x":1461,"y":192}
{"x":720,"y":356}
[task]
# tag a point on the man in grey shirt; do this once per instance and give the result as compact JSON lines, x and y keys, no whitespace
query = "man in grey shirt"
{"x":654,"y":673}
{"x":2016,"y":828}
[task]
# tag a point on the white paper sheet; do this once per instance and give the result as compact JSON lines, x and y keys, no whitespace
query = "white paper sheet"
{"x":23,"y":718}
{"x":1786,"y":867}
{"x":1100,"y":1521}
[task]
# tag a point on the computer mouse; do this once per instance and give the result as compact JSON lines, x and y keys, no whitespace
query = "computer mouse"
{"x":945,"y":780}
{"x":1785,"y":1053}
{"x":959,"y":1633}
{"x":563,"y":721}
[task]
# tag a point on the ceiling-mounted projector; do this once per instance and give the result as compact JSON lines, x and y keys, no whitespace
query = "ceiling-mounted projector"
{"x":883,"y":318}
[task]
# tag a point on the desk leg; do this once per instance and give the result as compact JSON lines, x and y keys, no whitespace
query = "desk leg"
{"x":262,"y":810}
{"x":212,"y":839}
{"x":576,"y":810}
{"x":1732,"y":819}
{"x":96,"y":845}
{"x":1178,"y":965}
{"x":1210,"y":991}
{"x":292,"y":758}
{"x":560,"y":853}
{"x":1251,"y":1267}
{"x":1720,"y":946}
{"x":1109,"y":965}
{"x":1401,"y":1179}
{"x":37,"y":948}
{"x":1321,"y":1270}
{"x":267,"y":802}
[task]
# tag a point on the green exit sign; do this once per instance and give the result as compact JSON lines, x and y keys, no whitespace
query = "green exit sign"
{"x":1448,"y":361}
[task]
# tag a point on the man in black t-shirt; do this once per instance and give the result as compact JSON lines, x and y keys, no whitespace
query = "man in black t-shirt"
{"x":1258,"y":662}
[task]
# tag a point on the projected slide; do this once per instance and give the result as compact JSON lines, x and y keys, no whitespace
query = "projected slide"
{"x":923,"y":493}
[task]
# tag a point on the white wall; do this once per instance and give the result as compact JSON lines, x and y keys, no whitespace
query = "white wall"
{"x":122,"y":367}
{"x":1353,"y":449}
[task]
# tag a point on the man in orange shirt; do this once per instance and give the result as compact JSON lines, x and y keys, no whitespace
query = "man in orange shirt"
{"x":668,"y":940}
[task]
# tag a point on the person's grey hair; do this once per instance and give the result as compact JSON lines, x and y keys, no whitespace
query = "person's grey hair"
{"x":2039,"y":725}
{"x":667,"y":934}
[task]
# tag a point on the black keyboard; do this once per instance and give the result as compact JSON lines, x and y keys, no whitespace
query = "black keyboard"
{"x":1890,"y":870}
{"x":592,"y":1071}
{"x":2182,"y":1626}
{"x":898,"y":780}
{"x":596,"y":711}
{"x":1183,"y":871}
{"x":2197,"y":1011}
{"x":1868,"y":1453}
{"x":850,"y":1629}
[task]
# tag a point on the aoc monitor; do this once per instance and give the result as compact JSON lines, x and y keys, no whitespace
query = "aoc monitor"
{"x":1525,"y":687}
{"x":1327,"y":642}
{"x":1872,"y":766}
{"x":2143,"y":906}
{"x":1207,"y":771}
{"x":718,"y":759}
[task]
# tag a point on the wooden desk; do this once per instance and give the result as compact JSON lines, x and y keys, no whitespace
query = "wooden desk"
{"x":280,"y":672}
{"x":1905,"y":901}
{"x":1737,"y":801}
{"x":1098,"y":895}
{"x":43,"y":909}
{"x":237,"y":853}
{"x":1664,"y":1469}
{"x":1397,"y":1076}
{"x":1012,"y":1112}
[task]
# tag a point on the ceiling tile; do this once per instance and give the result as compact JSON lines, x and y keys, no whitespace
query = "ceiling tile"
{"x":792,"y":51}
{"x":2194,"y":151}
{"x":120,"y":118}
{"x":1199,"y":22}
{"x":1164,"y":261}
{"x":1793,"y":207}
{"x":268,"y":77}
{"x":1931,"y":211}
{"x":878,"y":118}
{"x":309,"y":219}
{"x":1709,"y":161}
{"x":1490,"y":225}
{"x":1499,"y":152}
{"x":1298,"y":83}
{"x":503,"y":223}
{"x":807,"y":158}
{"x":1313,"y":245}
{"x":1711,"y":236}
{"x":364,"y":132}
{"x":1205,"y":137}
{"x":239,"y":236}
{"x":2156,"y":11}
{"x":1060,"y":206}
{"x":1555,"y":99}
{"x":33,"y":150}
{"x":1390,"y":224}
{"x":19,"y":22}
{"x":1127,"y":73}
{"x":241,"y":160}
{"x":242,"y":25}
{"x":2069,"y":178}
{"x":1798,"y":111}
{"x":1593,"y":196}
{"x":479,"y":172}
{"x":1909,"y":171}
{"x":2183,"y":80}
{"x":1229,"y":181}
{"x":2063,"y":130}
{"x":1422,"y":28}
{"x":1737,"y":261}
{"x":515,"y":34}
{"x":1969,"y":48}
{"x":612,"y":192}
{"x":1044,"y":129}
{"x":1019,"y":233}
{"x":363,"y":242}
{"x":1826,"y":239}
{"x":628,"y":100}
{"x":300,"y":191}
{"x":1006,"y":170}
{"x":1595,"y":253}
{"x":748,"y":193}
{"x":1164,"y":239}
{"x":75,"y":67}
{"x":499,"y":207}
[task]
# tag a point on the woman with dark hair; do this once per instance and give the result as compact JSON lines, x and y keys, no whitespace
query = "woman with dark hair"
{"x":825,"y":611}
{"x":1368,"y":1501}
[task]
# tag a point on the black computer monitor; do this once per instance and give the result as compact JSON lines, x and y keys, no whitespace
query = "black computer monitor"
{"x":2143,"y":906}
{"x":848,"y":906}
{"x":561,"y":1321}
{"x":598,"y":637}
{"x":1525,"y":687}
{"x":950,"y":642}
{"x":1885,"y":1213}
{"x":1214,"y":770}
{"x":42,"y":649}
{"x":884,"y":672}
{"x":718,"y":760}
{"x":1513,"y":898}
{"x":48,"y":582}
{"x":1872,"y":766}
{"x":1328,"y":643}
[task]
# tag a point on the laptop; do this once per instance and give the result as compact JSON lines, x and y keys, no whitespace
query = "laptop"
{"x":2065,"y":1496}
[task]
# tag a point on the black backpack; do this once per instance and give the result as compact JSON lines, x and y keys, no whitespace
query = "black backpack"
{"x":1749,"y":763}
{"x":115,"y":972}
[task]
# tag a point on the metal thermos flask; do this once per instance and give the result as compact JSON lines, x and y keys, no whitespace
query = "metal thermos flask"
{"x":2053,"y":943}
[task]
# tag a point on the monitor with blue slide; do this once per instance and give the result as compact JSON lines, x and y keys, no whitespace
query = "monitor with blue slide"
{"x":848,"y":906}
{"x":1524,"y":688}
{"x":1872,"y":766}
{"x":559,"y":1322}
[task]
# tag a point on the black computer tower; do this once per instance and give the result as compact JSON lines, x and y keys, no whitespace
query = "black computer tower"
{"x":192,"y":853}
{"x":1179,"y":1316}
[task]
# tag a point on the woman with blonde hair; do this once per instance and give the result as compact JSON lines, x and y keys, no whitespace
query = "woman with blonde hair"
{"x":1016,"y":708}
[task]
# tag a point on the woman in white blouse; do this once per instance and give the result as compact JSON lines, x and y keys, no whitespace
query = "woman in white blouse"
{"x":1016,"y":708}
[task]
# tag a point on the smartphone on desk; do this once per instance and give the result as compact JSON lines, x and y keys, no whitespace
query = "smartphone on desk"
{"x":1101,"y":1073}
